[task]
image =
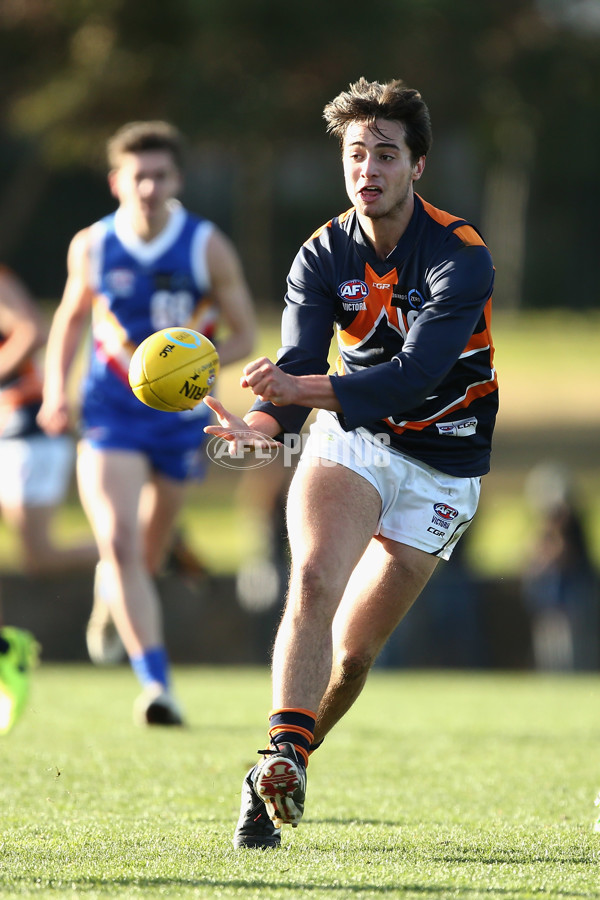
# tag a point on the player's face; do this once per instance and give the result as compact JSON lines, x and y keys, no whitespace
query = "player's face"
{"x":143,"y":184}
{"x":378,"y":168}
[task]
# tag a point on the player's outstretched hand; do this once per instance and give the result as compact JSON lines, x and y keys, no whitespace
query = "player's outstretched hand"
{"x":233,"y":429}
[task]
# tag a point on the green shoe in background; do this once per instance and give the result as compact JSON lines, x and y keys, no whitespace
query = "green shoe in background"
{"x":18,"y":655}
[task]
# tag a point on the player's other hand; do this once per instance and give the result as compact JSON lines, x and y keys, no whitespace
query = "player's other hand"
{"x":268,"y":382}
{"x":53,"y":417}
{"x":231,"y":428}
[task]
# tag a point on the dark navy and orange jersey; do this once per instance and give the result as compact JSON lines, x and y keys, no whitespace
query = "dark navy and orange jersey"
{"x":20,"y":401}
{"x":20,"y":396}
{"x":413,"y":331}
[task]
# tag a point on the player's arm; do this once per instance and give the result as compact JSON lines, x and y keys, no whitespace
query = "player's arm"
{"x":298,"y":382}
{"x":258,"y":428}
{"x":231,"y":293}
{"x":20,"y":323}
{"x":460,"y":288}
{"x":68,"y":324}
{"x":270,"y":383}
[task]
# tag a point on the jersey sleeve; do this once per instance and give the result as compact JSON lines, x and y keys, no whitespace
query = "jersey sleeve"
{"x":306,"y":330}
{"x":460,"y":285}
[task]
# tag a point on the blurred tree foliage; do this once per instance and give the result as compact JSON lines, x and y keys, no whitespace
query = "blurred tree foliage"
{"x":511,"y":85}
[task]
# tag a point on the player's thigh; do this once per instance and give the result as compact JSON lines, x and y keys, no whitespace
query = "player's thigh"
{"x":110,"y":484}
{"x":160,"y":504}
{"x":332,"y":513}
{"x":384,"y":585}
{"x":32,"y":524}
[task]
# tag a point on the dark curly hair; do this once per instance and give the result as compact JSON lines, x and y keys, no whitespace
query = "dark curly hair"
{"x":367,"y":101}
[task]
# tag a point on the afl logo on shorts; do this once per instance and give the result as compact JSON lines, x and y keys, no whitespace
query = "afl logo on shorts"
{"x":444,"y":511}
{"x":355,"y":289}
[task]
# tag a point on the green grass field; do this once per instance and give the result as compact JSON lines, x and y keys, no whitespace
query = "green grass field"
{"x":435,"y":785}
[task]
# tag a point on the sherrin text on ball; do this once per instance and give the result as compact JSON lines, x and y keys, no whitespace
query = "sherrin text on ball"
{"x":173,"y":369}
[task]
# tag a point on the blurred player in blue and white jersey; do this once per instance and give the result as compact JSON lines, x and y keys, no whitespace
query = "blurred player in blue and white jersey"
{"x":148,"y":265}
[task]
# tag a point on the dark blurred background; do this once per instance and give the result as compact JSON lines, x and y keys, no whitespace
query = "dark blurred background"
{"x":513,"y":89}
{"x":512,"y":86}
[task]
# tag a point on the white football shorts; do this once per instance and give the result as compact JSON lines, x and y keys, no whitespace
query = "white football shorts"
{"x":35,"y":470}
{"x":420,"y":506}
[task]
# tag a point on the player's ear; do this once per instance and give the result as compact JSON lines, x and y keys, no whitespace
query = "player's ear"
{"x":179,"y":183}
{"x":112,"y":183}
{"x":418,"y":168}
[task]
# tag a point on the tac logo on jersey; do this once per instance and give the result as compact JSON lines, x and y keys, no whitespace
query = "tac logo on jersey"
{"x":353,"y":291}
{"x":120,"y":282}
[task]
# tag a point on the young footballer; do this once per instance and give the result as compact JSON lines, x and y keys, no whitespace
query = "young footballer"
{"x":390,"y":478}
{"x":149,"y":265}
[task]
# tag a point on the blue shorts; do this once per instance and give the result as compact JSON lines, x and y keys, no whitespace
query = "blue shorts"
{"x":172,"y":442}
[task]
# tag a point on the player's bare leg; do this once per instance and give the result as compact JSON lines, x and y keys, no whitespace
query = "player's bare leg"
{"x":41,"y":555}
{"x":160,"y":504}
{"x":110,"y":486}
{"x":324,"y":501}
{"x":388,"y":579}
{"x":274,"y":791}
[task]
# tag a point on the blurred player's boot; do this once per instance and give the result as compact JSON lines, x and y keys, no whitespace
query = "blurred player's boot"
{"x":258,"y":585}
{"x":182,"y":560}
{"x":18,"y":655}
{"x":155,"y":706}
{"x":597,"y":822}
{"x":280,"y":782}
{"x":103,"y":642}
{"x":254,"y":827}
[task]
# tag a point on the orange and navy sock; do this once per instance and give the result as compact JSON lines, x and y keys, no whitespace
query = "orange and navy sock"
{"x":315,"y":746}
{"x":294,"y":726}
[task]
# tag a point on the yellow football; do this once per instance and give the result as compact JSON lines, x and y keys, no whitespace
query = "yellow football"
{"x":173,"y":369}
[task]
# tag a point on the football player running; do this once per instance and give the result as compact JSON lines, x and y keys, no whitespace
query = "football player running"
{"x":390,"y":477}
{"x":147,"y":266}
